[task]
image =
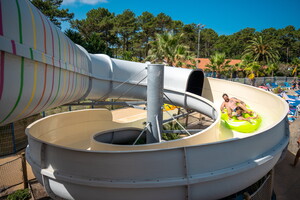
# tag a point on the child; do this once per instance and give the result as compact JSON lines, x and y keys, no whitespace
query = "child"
{"x":239,"y":114}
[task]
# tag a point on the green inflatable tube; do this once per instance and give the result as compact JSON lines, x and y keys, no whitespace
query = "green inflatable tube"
{"x":242,"y":126}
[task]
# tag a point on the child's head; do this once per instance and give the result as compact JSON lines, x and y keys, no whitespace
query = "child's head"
{"x":239,"y":110}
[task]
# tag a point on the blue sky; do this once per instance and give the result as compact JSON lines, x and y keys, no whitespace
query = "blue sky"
{"x":224,"y":16}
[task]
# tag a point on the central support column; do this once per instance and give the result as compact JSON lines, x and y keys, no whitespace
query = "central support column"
{"x":155,"y":85}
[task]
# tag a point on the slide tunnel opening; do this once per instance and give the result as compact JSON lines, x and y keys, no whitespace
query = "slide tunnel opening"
{"x":124,"y":136}
{"x":195,"y":82}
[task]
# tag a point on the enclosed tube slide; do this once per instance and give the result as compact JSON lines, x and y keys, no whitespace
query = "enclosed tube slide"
{"x":41,"y":68}
{"x":76,"y":155}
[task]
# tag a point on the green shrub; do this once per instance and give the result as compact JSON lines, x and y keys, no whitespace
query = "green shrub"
{"x":170,"y":136}
{"x":278,"y":90}
{"x":20,"y":195}
{"x":172,"y":126}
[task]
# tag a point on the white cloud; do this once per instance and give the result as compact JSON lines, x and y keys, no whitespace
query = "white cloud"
{"x":90,"y":2}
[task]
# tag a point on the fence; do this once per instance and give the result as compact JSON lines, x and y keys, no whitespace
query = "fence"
{"x":263,"y":80}
{"x":259,"y":80}
{"x":80,"y":107}
{"x":13,"y":137}
{"x":66,"y":109}
{"x":13,"y":173}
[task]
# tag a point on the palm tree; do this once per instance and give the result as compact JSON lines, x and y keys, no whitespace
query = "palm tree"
{"x":167,"y":49}
{"x":246,"y":59}
{"x":182,"y":56}
{"x":271,"y":68}
{"x":218,"y":63}
{"x":260,"y":51}
{"x":295,"y":63}
{"x":232,"y":68}
{"x":253,"y":69}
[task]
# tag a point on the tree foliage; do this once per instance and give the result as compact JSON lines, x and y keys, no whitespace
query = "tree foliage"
{"x":146,"y":26}
{"x":208,"y":39}
{"x":131,"y":37}
{"x":167,"y":49}
{"x":295,"y":64}
{"x":126,"y":27}
{"x":261,"y":51}
{"x":51,"y":9}
{"x":218,"y":63}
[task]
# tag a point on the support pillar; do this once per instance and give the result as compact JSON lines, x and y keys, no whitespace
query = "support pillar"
{"x":24,"y":171}
{"x":155,"y":85}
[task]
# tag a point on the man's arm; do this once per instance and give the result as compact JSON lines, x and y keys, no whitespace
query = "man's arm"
{"x":243,"y":118}
{"x":222,"y":106}
{"x":236,"y":100}
{"x":246,"y":119}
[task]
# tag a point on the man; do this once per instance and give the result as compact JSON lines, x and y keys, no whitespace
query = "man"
{"x":232,"y":103}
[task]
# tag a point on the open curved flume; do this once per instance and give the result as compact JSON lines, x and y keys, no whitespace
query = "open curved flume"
{"x":201,"y":161}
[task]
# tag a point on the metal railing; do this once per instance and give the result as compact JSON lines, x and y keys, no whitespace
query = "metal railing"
{"x":260,"y":80}
{"x":263,"y":80}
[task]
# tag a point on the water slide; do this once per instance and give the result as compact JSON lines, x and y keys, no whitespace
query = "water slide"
{"x":76,"y":155}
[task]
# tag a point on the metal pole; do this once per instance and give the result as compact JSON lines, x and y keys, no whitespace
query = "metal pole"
{"x":137,"y":139}
{"x":12,"y":126}
{"x":24,"y":171}
{"x":112,"y":106}
{"x":200,"y":28}
{"x":198,"y":51}
{"x":155,"y":84}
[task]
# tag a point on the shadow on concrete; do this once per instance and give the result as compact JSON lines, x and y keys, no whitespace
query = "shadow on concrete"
{"x":287,"y":179}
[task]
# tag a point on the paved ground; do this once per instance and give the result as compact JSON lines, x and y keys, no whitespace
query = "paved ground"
{"x":287,"y":178}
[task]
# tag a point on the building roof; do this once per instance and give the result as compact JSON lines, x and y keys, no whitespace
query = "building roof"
{"x":205,"y":61}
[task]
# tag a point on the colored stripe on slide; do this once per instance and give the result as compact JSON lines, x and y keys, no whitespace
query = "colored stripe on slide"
{"x":43,"y":93}
{"x":20,"y":91}
{"x":1,"y":73}
{"x":53,"y":72}
{"x":22,"y":63}
{"x":2,"y":55}
{"x":34,"y":87}
{"x":20,"y":22}
{"x":64,"y":86}
{"x":35,"y":62}
{"x":59,"y":77}
{"x":1,"y":23}
{"x":46,"y":66}
{"x":63,"y":90}
{"x":13,"y":46}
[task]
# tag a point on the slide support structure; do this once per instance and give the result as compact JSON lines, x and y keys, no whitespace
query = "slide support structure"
{"x":155,"y":85}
